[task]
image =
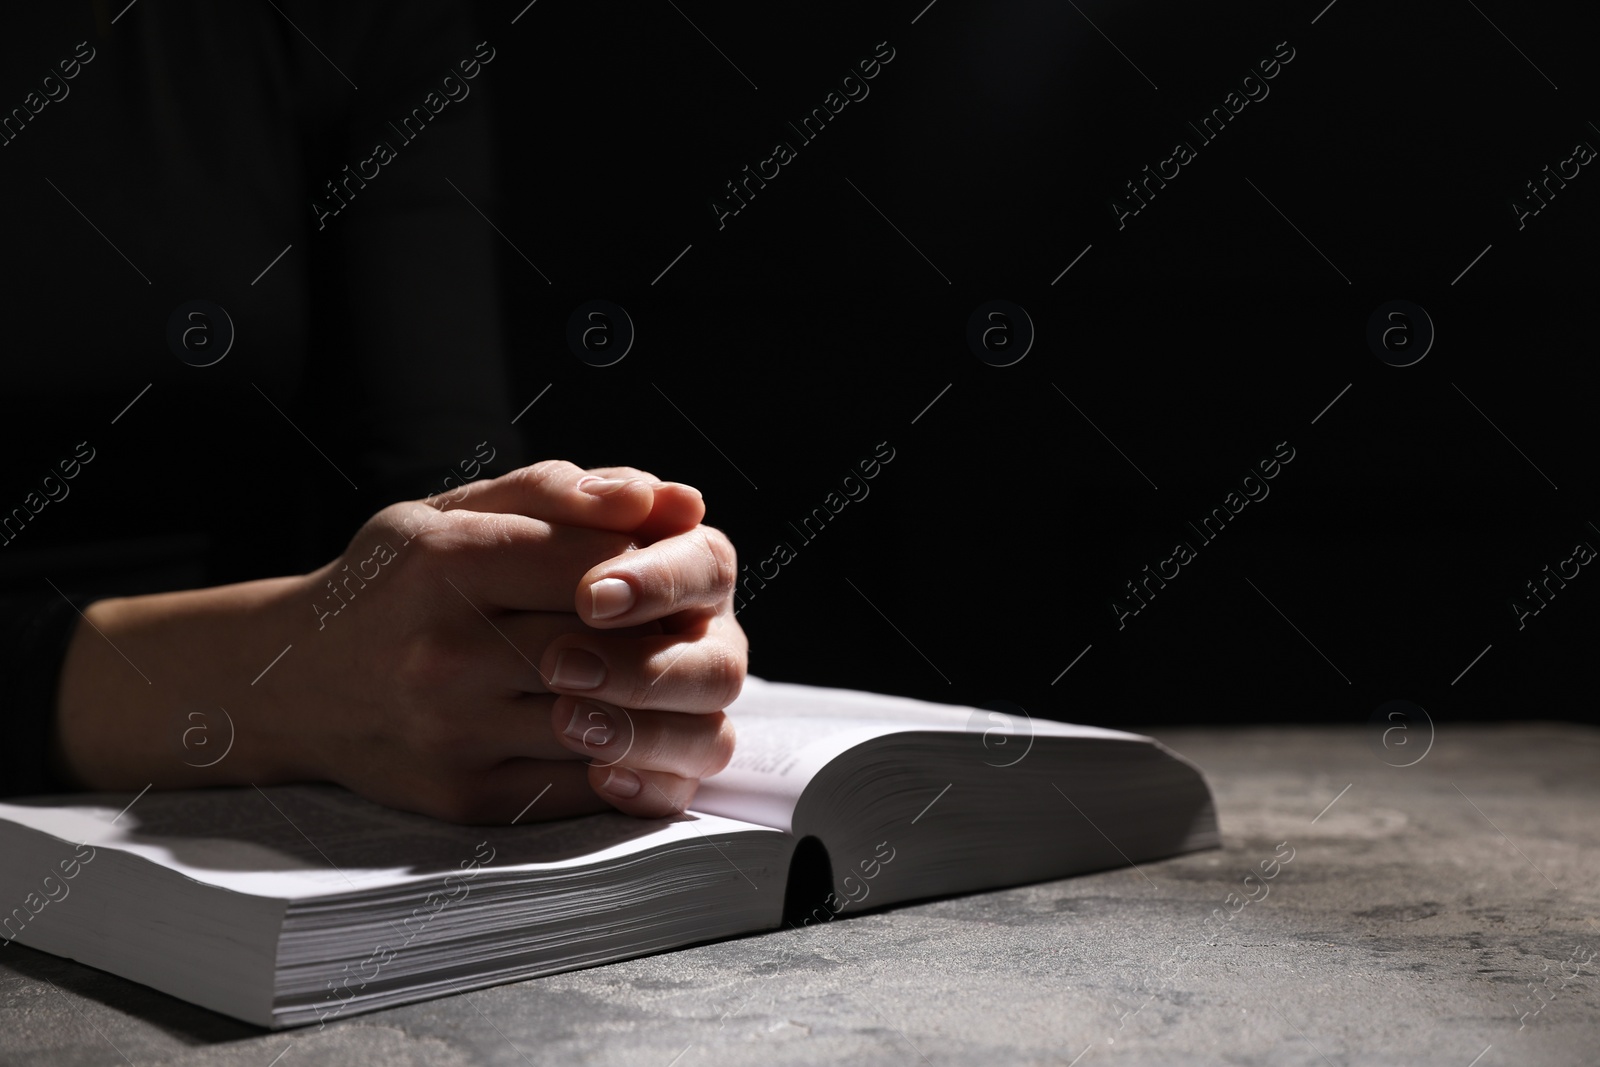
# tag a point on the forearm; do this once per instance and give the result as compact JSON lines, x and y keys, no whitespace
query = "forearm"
{"x":155,"y":688}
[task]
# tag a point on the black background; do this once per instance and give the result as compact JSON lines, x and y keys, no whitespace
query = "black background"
{"x":826,"y":317}
{"x":807,"y":330}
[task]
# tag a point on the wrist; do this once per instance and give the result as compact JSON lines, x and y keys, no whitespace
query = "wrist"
{"x":288,"y":697}
{"x":172,"y":690}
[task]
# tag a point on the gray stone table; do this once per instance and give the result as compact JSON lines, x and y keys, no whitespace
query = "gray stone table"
{"x":1443,"y":913}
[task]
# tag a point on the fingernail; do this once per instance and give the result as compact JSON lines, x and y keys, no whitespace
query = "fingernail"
{"x":610,"y":597}
{"x":691,"y":488}
{"x":577,"y":669}
{"x":598,"y":486}
{"x":591,"y":724}
{"x":621,"y":782}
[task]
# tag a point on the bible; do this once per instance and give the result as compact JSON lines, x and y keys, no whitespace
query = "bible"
{"x":290,"y":905}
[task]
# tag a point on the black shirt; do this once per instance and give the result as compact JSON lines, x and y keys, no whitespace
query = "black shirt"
{"x":162,"y":158}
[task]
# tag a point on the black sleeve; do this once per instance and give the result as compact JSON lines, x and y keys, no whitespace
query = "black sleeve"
{"x":34,"y":633}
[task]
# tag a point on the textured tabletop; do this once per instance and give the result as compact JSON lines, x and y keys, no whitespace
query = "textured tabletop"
{"x":1446,"y":912}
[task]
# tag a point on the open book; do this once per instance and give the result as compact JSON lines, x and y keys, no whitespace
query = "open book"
{"x":299,"y":904}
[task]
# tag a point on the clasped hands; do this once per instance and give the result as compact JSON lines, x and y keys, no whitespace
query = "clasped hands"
{"x":553,"y":636}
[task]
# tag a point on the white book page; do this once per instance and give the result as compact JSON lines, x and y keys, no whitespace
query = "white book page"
{"x":296,"y":842}
{"x":787,"y":733}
